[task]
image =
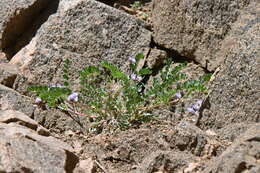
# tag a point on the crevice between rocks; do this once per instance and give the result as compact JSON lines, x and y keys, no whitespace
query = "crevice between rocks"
{"x":174,"y":55}
{"x":23,"y":26}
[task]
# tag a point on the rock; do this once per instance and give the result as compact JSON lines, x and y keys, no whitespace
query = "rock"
{"x":8,"y":74}
{"x":86,"y":166}
{"x":165,"y":161}
{"x":23,"y":150}
{"x":188,"y":137}
{"x":195,"y":28}
{"x":156,"y":58}
{"x":17,"y":17}
{"x":245,"y":154}
{"x":232,"y":131}
{"x":11,"y":116}
{"x":86,"y":33}
{"x":60,"y":122}
{"x":3,"y":58}
{"x":235,"y":90}
{"x":12,"y":100}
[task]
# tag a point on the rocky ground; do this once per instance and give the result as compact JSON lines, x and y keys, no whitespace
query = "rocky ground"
{"x":219,"y":37}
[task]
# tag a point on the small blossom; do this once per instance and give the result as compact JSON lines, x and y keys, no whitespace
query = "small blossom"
{"x":38,"y":100}
{"x":192,"y":111}
{"x":178,"y":95}
{"x":56,"y":86}
{"x":73,"y":97}
{"x":195,"y":107}
{"x":134,"y":77}
{"x":199,"y":102}
{"x":132,"y":60}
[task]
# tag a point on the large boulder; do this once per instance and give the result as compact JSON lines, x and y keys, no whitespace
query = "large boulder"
{"x":22,"y":149}
{"x":235,"y":91}
{"x":11,"y":99}
{"x":242,"y":156}
{"x":195,"y":28}
{"x":16,"y":19}
{"x":85,"y":32}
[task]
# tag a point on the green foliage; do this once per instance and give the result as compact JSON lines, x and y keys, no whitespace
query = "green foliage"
{"x":121,"y":100}
{"x":136,"y":5}
{"x":50,"y":95}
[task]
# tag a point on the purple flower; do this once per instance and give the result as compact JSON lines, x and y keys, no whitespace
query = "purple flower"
{"x":199,"y":102}
{"x":195,"y":107}
{"x":178,"y":95}
{"x":73,"y":97}
{"x":56,"y":86}
{"x":38,"y":100}
{"x":134,"y":77}
{"x":132,"y":60}
{"x":192,"y":111}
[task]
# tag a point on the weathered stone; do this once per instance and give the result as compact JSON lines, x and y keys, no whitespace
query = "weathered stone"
{"x":232,"y":131}
{"x":11,"y":116}
{"x":60,"y":122}
{"x":22,"y":150}
{"x":195,"y":28}
{"x":242,"y":156}
{"x":235,"y":90}
{"x":8,"y":74}
{"x":16,"y":17}
{"x":165,"y":161}
{"x":188,"y":137}
{"x":156,"y":58}
{"x":85,"y":32}
{"x":12,"y":100}
{"x":3,"y":58}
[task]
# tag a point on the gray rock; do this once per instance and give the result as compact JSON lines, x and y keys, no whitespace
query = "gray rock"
{"x":195,"y":28}
{"x":3,"y":58}
{"x":165,"y":161}
{"x":59,"y":122}
{"x":232,"y":131}
{"x":11,"y":116}
{"x":16,"y":17}
{"x":86,"y":33}
{"x":188,"y":137}
{"x":235,"y":91}
{"x":8,"y":74}
{"x":242,"y":156}
{"x":156,"y":58}
{"x":12,"y":100}
{"x":23,"y":150}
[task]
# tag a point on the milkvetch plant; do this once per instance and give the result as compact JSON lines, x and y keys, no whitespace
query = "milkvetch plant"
{"x":113,"y":98}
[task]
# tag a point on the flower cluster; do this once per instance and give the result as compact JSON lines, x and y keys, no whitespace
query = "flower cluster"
{"x":194,"y":109}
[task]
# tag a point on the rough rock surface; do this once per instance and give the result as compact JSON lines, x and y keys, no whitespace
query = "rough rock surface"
{"x":12,"y":100}
{"x":242,"y":156}
{"x":11,"y":116}
{"x":16,"y":17}
{"x":23,"y":150}
{"x":195,"y":28}
{"x":85,"y":32}
{"x":165,"y":161}
{"x":235,"y":91}
{"x":8,"y":74}
{"x":131,"y":150}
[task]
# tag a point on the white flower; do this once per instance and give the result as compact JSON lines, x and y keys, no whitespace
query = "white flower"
{"x":38,"y":100}
{"x":132,"y":60}
{"x":178,"y":95}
